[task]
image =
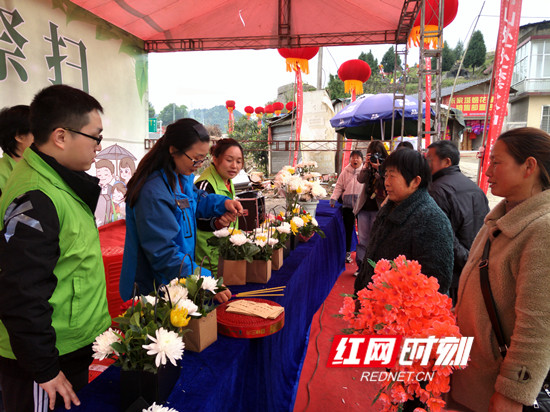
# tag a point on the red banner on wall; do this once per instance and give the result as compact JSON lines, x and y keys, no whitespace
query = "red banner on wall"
{"x":510,"y":11}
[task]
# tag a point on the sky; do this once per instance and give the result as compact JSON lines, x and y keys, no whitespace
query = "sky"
{"x":251,"y":77}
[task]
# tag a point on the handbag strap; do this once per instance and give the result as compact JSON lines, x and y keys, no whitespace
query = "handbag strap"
{"x":488,"y":296}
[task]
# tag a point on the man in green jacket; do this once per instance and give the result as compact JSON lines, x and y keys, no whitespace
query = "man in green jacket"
{"x":52,"y":282}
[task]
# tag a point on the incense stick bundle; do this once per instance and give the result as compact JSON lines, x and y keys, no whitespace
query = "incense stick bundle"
{"x":262,"y":292}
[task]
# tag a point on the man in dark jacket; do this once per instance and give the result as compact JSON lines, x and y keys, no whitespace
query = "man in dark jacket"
{"x":462,"y":200}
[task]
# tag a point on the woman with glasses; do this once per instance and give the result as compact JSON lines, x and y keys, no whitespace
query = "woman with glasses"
{"x":162,"y":205}
{"x":227,"y":162}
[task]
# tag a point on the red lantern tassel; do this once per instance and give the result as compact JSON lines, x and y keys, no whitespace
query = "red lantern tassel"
{"x":295,"y":63}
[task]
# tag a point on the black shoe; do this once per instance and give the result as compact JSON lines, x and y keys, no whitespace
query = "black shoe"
{"x":348,"y":258}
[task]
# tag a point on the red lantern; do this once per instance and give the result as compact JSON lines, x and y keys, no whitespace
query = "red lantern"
{"x":354,"y":73}
{"x":290,"y":106}
{"x":298,"y":58}
{"x":259,"y":112}
{"x":278,"y":108}
{"x":269,"y":109}
{"x":230,"y":105}
{"x":248,"y":110}
{"x":431,"y":20}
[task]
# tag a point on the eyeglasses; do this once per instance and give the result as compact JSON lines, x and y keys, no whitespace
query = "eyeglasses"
{"x":97,"y":139}
{"x":196,"y":162}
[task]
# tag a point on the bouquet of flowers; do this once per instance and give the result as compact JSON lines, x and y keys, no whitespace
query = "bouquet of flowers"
{"x":233,"y":244}
{"x":310,"y":226}
{"x":294,"y":186}
{"x":150,"y":333}
{"x":281,"y":230}
{"x":401,"y":300}
{"x":196,"y":293}
{"x":265,"y":242}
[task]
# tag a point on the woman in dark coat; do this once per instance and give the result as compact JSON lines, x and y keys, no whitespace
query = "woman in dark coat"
{"x":410,"y":223}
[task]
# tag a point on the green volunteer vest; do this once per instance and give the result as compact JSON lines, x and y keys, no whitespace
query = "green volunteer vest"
{"x":79,"y":300}
{"x":202,"y":249}
{"x":6,"y":166}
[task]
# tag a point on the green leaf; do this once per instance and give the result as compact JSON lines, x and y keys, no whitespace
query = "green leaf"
{"x":135,"y":319}
{"x":378,"y":326}
{"x":388,"y":306}
{"x":371,"y":262}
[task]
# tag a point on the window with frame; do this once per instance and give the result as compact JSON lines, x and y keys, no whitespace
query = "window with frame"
{"x":521,"y":63}
{"x":540,"y":59}
{"x":545,"y":119}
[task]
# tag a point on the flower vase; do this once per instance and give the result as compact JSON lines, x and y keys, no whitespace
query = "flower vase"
{"x":232,"y":271}
{"x":309,"y":207}
{"x":139,"y":389}
{"x":258,"y":271}
{"x":277,"y":259}
{"x":202,"y":333}
{"x":303,"y":238}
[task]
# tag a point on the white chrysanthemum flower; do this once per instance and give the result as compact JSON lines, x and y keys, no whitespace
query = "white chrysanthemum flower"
{"x":297,"y":184}
{"x":272,"y":242}
{"x":209,"y":283}
{"x":158,"y":408}
{"x":298,"y":221}
{"x":177,"y":292}
{"x":288,"y":169}
{"x":238,"y":240}
{"x":260,"y":242}
{"x":151,"y":299}
{"x":223,"y":232}
{"x":102,"y":344}
{"x":192,"y":309}
{"x":167,"y":344}
{"x":314,"y":222}
{"x":317,"y":190}
{"x":284,"y":227}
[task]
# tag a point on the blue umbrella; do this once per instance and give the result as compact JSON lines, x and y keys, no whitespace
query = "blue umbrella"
{"x":370,"y":117}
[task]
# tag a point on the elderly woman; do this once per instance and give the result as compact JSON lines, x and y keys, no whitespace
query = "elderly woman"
{"x":410,"y":223}
{"x":518,"y":231}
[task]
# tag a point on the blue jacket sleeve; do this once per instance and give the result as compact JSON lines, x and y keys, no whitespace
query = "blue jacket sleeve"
{"x":209,"y":205}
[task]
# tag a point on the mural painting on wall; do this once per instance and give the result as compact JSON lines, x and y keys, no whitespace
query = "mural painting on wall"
{"x":114,"y":167}
{"x":12,"y":44}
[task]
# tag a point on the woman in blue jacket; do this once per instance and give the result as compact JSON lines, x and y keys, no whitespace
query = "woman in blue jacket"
{"x":162,"y":205}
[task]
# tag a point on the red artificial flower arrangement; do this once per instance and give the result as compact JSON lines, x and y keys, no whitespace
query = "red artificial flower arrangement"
{"x":401,"y":300}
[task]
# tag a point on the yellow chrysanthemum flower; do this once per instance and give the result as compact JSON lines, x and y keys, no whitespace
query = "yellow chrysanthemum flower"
{"x":182,"y":281}
{"x":306,"y":219}
{"x":179,"y":318}
{"x":293,"y":227}
{"x":296,"y":210}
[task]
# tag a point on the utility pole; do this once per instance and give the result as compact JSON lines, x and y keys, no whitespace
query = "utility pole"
{"x":320,"y":69}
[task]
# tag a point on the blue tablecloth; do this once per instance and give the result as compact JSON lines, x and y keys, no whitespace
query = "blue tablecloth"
{"x":252,"y":374}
